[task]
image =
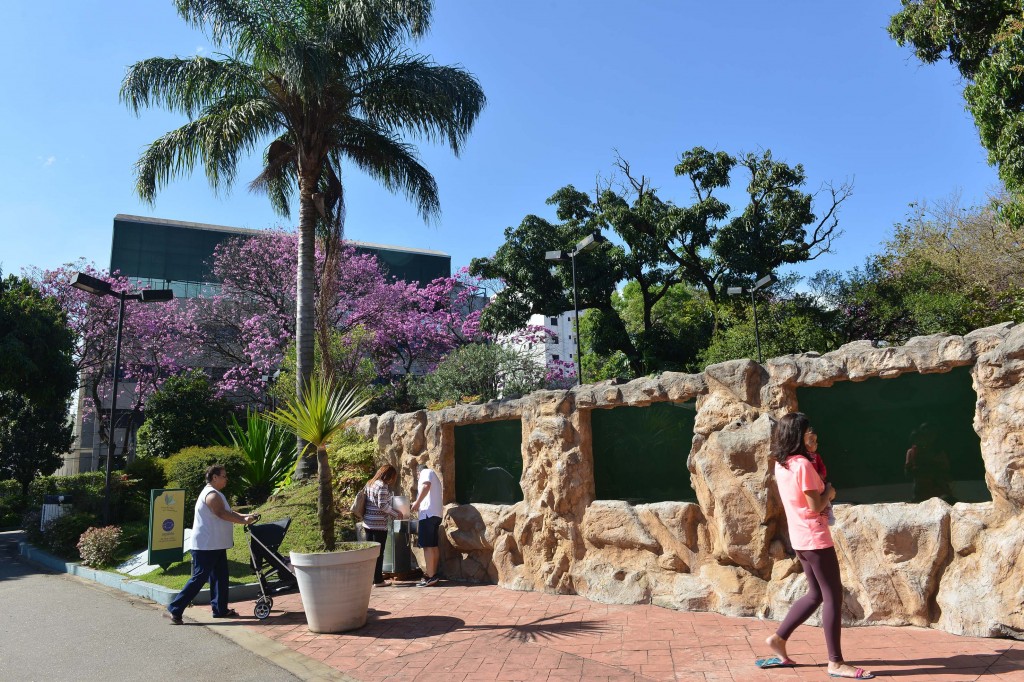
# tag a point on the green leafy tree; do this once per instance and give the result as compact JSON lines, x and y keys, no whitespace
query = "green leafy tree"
{"x":890,"y":301}
{"x":481,"y":371}
{"x":37,"y":376}
{"x":322,"y":81}
{"x":978,"y":248}
{"x":946,"y":269}
{"x":680,"y":324}
{"x":183,"y":412}
{"x":789,"y":322}
{"x":984,"y":40}
{"x":33,"y":435}
{"x":660,"y":245}
{"x":36,"y":344}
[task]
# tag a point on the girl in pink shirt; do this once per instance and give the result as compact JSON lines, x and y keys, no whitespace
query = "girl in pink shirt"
{"x":805,"y":497}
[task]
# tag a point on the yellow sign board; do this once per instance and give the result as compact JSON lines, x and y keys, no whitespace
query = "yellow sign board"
{"x":167,"y":524}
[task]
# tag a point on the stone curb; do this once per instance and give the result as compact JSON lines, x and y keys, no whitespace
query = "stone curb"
{"x":140,"y":588}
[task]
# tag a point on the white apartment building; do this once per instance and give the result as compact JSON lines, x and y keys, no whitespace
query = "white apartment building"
{"x":561,"y":337}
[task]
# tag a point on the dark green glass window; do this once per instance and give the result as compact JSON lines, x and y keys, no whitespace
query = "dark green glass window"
{"x":640,"y":452}
{"x":905,"y":439}
{"x":489,"y":462}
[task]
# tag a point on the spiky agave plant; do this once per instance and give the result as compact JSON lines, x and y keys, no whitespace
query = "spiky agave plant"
{"x":319,"y":412}
{"x":269,"y":452}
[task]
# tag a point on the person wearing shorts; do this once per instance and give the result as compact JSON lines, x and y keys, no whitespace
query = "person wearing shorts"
{"x":428,"y":504}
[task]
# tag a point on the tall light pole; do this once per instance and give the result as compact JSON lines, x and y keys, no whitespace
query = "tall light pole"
{"x":585,"y":244}
{"x":762,"y":283}
{"x":99,"y":287}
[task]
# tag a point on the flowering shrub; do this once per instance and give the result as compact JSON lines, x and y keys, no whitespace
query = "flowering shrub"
{"x":98,"y":546}
{"x":560,"y":374}
{"x":59,"y":535}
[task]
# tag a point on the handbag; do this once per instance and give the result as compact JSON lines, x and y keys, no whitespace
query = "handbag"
{"x":358,"y":507}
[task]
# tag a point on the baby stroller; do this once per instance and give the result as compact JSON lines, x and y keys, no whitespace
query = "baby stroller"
{"x":264,"y":541}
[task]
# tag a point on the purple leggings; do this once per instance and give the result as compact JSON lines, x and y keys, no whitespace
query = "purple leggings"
{"x":821,"y":567}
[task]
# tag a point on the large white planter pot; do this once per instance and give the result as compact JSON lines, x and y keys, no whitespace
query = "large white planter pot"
{"x":335,"y":587}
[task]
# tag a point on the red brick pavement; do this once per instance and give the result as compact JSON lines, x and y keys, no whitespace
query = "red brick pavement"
{"x":466,"y":633}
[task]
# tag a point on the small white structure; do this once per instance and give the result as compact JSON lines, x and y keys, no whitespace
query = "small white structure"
{"x":561,"y":337}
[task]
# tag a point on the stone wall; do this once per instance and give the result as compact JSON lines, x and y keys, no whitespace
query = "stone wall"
{"x":929,"y":564}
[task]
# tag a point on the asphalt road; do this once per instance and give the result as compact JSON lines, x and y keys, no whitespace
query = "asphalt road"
{"x":57,"y":627}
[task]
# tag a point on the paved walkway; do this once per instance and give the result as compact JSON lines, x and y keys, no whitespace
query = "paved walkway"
{"x":464,"y":633}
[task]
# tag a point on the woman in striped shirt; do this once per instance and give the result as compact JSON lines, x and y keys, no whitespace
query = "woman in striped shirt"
{"x":380,"y":509}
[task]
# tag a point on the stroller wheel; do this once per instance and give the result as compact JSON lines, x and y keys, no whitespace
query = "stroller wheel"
{"x":262,"y":609}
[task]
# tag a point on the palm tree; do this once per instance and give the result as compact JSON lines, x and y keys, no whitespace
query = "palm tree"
{"x":317,"y":81}
{"x":315,"y":416}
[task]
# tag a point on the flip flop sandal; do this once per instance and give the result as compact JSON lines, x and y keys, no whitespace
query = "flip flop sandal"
{"x":775,"y":662}
{"x":861,"y":674}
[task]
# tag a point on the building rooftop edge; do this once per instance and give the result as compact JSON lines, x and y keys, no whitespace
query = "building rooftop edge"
{"x":251,"y":231}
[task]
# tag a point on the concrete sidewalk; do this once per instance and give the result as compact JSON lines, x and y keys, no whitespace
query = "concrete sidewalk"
{"x":462,"y":633}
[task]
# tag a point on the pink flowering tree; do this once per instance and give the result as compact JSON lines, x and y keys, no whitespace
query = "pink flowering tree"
{"x":251,"y":321}
{"x":424,"y":324}
{"x":158,"y":340}
{"x":401,"y":327}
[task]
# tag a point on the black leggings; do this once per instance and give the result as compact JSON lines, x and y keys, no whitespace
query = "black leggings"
{"x":821,"y":566}
{"x":380,"y":536}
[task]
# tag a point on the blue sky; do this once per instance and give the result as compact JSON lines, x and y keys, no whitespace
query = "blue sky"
{"x":568,"y":83}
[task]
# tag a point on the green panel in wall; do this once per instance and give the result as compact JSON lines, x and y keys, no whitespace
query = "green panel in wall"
{"x":865,"y":430}
{"x":489,"y":462}
{"x":640,"y":452}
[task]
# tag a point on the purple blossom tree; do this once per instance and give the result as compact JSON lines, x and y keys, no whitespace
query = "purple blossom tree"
{"x":402,"y":326}
{"x":158,"y":340}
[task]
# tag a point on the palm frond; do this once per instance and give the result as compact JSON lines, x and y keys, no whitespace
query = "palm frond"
{"x":320,"y":411}
{"x":279,"y":176}
{"x":249,"y":27}
{"x":410,"y":92}
{"x":381,"y":22}
{"x":390,"y":161}
{"x":186,"y":85}
{"x":228,"y":128}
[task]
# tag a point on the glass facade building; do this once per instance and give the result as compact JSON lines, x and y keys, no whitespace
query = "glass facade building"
{"x":178,"y":255}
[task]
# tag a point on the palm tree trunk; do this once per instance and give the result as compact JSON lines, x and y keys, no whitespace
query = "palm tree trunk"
{"x":304,"y":308}
{"x":325,"y":501}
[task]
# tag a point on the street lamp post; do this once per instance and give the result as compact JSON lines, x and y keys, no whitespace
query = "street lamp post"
{"x":99,"y":287}
{"x":268,"y":380}
{"x":762,"y":283}
{"x":585,"y":244}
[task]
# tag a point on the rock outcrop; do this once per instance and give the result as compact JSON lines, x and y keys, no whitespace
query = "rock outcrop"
{"x":928,"y":564}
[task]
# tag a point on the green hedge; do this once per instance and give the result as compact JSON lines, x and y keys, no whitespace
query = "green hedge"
{"x":143,"y":476}
{"x":353,"y":461}
{"x":12,"y":504}
{"x":86,"y":491}
{"x":61,"y":535}
{"x":187,"y":470}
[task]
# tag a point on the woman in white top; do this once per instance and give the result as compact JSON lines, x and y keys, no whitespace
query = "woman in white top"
{"x":212,"y":537}
{"x":380,"y":510}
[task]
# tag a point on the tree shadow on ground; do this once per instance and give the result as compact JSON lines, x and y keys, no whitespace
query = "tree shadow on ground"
{"x":415,"y":627}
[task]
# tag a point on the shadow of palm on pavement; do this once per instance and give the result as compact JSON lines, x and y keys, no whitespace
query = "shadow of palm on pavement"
{"x":413,"y":627}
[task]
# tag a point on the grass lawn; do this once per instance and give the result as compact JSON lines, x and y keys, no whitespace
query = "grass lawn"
{"x":297,"y":502}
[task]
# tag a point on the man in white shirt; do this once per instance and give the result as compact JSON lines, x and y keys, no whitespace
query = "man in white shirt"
{"x":211,"y":538}
{"x":428,"y":503}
